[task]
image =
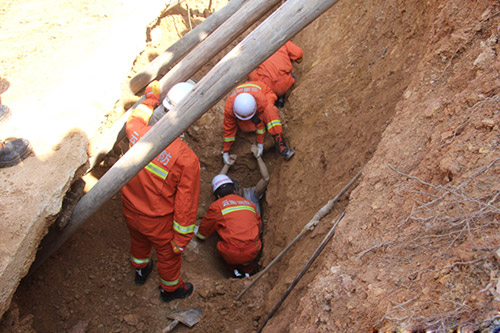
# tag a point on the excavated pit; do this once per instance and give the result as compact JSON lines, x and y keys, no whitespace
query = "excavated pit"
{"x":362,"y":62}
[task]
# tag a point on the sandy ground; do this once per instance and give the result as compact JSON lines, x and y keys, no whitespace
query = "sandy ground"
{"x":65,"y":62}
{"x":407,"y":92}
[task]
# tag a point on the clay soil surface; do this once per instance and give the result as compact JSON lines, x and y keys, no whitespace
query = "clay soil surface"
{"x":404,"y":91}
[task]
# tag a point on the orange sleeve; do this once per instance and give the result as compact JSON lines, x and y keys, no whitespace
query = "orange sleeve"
{"x":261,"y":132}
{"x":209,"y":222}
{"x":230,"y":126}
{"x":294,"y":52}
{"x":137,"y":123}
{"x":186,"y":199}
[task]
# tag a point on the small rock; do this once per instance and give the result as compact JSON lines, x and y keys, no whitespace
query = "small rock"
{"x":489,"y":123}
{"x":131,"y":319}
{"x":433,"y":109}
{"x":368,"y":276}
{"x":219,"y":289}
{"x":483,"y":150}
{"x":204,"y":292}
{"x":449,"y":165}
{"x":484,"y":58}
{"x":81,"y":327}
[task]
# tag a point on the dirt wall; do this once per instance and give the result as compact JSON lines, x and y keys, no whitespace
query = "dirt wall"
{"x":415,"y":249}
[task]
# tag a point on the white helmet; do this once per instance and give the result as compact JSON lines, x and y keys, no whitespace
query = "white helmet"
{"x":244,"y":106}
{"x":220,"y":180}
{"x":176,"y":94}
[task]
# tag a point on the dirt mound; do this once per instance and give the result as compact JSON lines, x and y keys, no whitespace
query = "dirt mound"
{"x":405,"y":91}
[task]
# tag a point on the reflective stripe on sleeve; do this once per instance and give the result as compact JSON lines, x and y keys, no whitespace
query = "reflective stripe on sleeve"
{"x":236,"y":208}
{"x":183,"y":229}
{"x":154,"y":169}
{"x":169,"y":283}
{"x":145,"y":109}
{"x":273,"y":123}
{"x":228,"y":139}
{"x":249,"y":85}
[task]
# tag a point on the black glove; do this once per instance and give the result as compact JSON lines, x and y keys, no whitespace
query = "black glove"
{"x":255,"y":119}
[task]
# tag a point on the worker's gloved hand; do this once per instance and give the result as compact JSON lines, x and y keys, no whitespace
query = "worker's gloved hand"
{"x":260,"y":150}
{"x":153,"y":91}
{"x":226,"y":158}
{"x":176,"y":248}
{"x":257,"y":150}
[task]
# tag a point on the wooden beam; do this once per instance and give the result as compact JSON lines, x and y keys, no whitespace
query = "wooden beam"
{"x":279,"y":27}
{"x":182,"y":71}
{"x":160,"y":65}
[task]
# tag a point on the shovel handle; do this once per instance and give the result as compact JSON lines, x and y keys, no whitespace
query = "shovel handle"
{"x":170,"y":326}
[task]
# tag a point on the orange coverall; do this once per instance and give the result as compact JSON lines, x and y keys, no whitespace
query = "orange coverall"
{"x":276,"y":70}
{"x":266,"y":111}
{"x":160,"y":203}
{"x":238,"y":225}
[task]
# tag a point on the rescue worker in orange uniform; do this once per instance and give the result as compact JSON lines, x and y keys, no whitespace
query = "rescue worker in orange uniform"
{"x":276,"y":71}
{"x":238,"y":224}
{"x":160,"y":203}
{"x":251,"y":108}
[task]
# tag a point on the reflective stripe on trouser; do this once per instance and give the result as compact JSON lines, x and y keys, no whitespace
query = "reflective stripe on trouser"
{"x":148,"y":232}
{"x":139,"y":263}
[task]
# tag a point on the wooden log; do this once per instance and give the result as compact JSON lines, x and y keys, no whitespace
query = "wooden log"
{"x":182,"y":71}
{"x":279,"y":27}
{"x":160,"y":65}
{"x":247,"y":15}
{"x":303,"y":271}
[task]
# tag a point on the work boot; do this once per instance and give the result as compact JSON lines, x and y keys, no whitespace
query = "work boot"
{"x":280,"y":102}
{"x":4,"y":113}
{"x":182,"y":292}
{"x":239,"y":275}
{"x":141,"y":275}
{"x":13,"y":151}
{"x":283,"y":149}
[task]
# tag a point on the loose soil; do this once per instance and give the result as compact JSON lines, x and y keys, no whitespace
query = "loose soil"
{"x":405,"y":91}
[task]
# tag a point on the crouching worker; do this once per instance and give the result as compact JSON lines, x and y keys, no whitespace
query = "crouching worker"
{"x":160,"y":204}
{"x":236,"y":221}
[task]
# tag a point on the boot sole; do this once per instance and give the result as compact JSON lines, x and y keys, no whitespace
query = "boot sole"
{"x":18,"y":159}
{"x":287,"y":158}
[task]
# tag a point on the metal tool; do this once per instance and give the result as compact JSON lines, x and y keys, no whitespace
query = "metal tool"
{"x":188,"y":317}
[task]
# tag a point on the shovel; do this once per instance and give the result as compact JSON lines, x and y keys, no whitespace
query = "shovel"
{"x":188,"y":317}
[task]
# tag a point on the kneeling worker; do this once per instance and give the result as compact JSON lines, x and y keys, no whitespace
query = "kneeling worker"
{"x":251,"y":109}
{"x":238,"y":224}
